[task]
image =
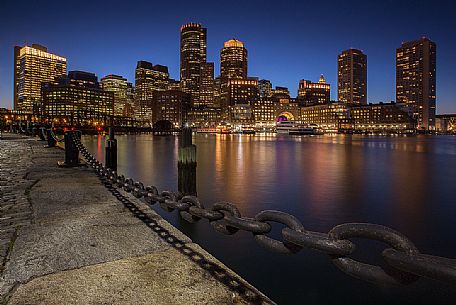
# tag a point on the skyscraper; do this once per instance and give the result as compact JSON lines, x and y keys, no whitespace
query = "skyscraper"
{"x":192,"y":57}
{"x":233,"y":60}
{"x":233,"y":65}
{"x":416,"y":80}
{"x":352,"y":77}
{"x":34,"y":66}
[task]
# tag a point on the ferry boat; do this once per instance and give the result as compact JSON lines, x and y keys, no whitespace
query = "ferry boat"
{"x":293,"y":128}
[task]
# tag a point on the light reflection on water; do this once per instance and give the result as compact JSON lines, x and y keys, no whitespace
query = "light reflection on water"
{"x":403,"y":182}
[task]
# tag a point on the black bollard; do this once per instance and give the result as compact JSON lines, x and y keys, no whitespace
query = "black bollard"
{"x":71,"y":150}
{"x":50,"y":139}
{"x":111,"y":151}
{"x":187,"y":164}
{"x":42,"y":133}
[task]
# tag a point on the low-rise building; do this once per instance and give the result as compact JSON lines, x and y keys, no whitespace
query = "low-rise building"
{"x":446,"y":123}
{"x":327,"y":116}
{"x":380,"y":117}
{"x":204,"y":117}
{"x":171,"y":105}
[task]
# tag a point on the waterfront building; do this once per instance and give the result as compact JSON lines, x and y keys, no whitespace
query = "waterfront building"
{"x":34,"y":66}
{"x":77,"y":99}
{"x":310,"y":93}
{"x":352,"y":77}
{"x":327,"y":116}
{"x":123,"y":94}
{"x":288,"y":112}
{"x":193,"y":46}
{"x":172,"y":106}
{"x":204,"y":117}
{"x":383,"y":117}
{"x":445,"y":123}
{"x":265,"y":88}
{"x":242,"y":94}
{"x":416,"y":80}
{"x":149,"y":79}
{"x":206,"y":97}
{"x":264,"y":113}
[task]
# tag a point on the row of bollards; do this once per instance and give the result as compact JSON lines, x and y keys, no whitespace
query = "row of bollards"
{"x":186,"y":159}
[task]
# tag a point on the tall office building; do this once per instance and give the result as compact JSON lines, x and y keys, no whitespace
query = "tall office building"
{"x":310,"y":93}
{"x":123,"y":93}
{"x":34,"y":66}
{"x":233,"y":65}
{"x":233,"y":60}
{"x":149,"y":79}
{"x":206,"y":97}
{"x":416,"y":80}
{"x":192,"y":57}
{"x":352,"y":77}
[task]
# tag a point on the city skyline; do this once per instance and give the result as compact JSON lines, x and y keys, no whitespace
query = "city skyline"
{"x":381,"y":80}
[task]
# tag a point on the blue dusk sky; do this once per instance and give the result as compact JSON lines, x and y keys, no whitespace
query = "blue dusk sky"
{"x":286,"y":40}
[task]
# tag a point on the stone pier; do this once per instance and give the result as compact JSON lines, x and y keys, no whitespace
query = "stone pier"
{"x":66,"y":239}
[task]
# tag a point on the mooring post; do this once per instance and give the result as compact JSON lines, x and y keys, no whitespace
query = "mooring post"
{"x":71,"y":150}
{"x":111,"y":151}
{"x":50,"y":139}
{"x":42,"y":133}
{"x":186,"y":164}
{"x":28,"y":128}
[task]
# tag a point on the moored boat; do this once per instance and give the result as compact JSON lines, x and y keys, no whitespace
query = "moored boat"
{"x":293,"y":128}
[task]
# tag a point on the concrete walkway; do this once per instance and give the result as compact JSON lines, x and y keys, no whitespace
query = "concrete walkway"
{"x":76,"y":243}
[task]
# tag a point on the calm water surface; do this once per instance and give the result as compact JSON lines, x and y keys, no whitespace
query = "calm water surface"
{"x":407,"y":183}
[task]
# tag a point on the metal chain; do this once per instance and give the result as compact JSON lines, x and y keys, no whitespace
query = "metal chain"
{"x":404,"y":263}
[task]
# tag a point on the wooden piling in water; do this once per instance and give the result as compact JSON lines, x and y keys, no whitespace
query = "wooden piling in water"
{"x":186,"y":163}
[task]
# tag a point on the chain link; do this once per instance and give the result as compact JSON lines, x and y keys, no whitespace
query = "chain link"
{"x":403,"y":262}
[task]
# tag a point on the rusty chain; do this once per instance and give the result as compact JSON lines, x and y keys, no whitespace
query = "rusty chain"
{"x":404,"y":263}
